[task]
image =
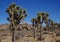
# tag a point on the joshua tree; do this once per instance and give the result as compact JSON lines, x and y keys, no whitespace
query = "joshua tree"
{"x":33,"y":23}
{"x":37,"y":24}
{"x":41,"y":17}
{"x":16,"y":14}
{"x":40,"y":21}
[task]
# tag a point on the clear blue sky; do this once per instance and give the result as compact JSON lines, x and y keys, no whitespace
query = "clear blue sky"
{"x":32,"y":7}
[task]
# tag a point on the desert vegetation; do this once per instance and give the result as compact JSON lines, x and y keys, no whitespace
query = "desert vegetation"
{"x":24,"y":32}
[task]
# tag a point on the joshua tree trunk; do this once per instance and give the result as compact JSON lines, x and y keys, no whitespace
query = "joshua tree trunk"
{"x":13,"y":39}
{"x":47,"y":26}
{"x":34,"y":30}
{"x":40,"y":32}
{"x":37,"y":29}
{"x":34,"y":33}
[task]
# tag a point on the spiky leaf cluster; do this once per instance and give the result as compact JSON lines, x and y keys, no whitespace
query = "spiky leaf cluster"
{"x":15,"y":14}
{"x":41,"y":17}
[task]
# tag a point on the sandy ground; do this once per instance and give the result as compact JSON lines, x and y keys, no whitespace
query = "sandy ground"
{"x":48,"y":38}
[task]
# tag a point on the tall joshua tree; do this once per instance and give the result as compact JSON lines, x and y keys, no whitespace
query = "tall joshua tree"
{"x":37,"y":22}
{"x":40,"y":21}
{"x":16,"y":14}
{"x":41,"y":16}
{"x":33,"y":23}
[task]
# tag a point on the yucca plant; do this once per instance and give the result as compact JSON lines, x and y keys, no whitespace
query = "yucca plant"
{"x":41,"y":17}
{"x":37,"y":24}
{"x":16,"y":14}
{"x":33,"y":23}
{"x":40,"y":21}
